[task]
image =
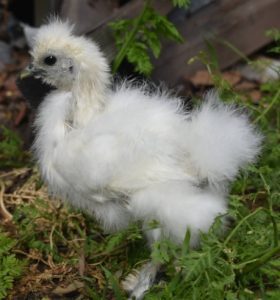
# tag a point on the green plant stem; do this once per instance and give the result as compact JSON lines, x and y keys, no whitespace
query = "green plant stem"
{"x":261,"y":260}
{"x":274,"y":224}
{"x":274,"y":100}
{"x":122,"y":52}
{"x":240,"y":223}
{"x":270,"y":212}
{"x":233,"y":48}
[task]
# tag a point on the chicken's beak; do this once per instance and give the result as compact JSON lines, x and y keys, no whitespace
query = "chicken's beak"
{"x":32,"y":86}
{"x":31,"y":71}
{"x":25,"y":73}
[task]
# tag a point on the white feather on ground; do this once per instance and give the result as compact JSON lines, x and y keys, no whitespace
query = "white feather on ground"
{"x":129,"y":154}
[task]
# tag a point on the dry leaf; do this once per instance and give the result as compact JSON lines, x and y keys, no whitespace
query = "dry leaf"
{"x":231,"y":77}
{"x":201,"y":77}
{"x":245,"y":86}
{"x":255,"y":95}
{"x":75,"y":285}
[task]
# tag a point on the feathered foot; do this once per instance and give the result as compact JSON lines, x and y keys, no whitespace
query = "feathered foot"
{"x":138,"y":282}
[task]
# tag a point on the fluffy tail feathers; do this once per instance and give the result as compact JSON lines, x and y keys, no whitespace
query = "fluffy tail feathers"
{"x":221,"y":140}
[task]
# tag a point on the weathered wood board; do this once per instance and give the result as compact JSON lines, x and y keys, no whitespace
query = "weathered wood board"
{"x":241,"y":23}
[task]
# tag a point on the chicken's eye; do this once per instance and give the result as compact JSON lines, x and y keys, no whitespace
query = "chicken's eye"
{"x":50,"y":60}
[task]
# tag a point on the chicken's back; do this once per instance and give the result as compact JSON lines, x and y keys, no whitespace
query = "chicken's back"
{"x":151,"y":129}
{"x":154,"y":140}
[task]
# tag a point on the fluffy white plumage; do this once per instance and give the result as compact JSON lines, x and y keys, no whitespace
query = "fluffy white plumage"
{"x":129,"y":154}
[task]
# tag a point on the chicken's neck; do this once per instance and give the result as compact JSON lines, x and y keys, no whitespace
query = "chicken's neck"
{"x":89,"y":97}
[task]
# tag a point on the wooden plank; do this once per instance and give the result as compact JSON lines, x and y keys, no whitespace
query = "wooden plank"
{"x":242,"y":23}
{"x":42,"y":9}
{"x":85,"y":14}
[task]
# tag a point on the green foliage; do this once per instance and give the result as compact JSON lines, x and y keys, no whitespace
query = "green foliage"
{"x":209,"y":59}
{"x":136,"y":38}
{"x":6,"y":244}
{"x":11,"y":153}
{"x":163,"y":251}
{"x":42,"y":230}
{"x":181,"y":3}
{"x":118,"y":293}
{"x":244,"y":264}
{"x":52,"y":230}
{"x":241,"y":264}
{"x":238,"y":266}
{"x":10,"y":267}
{"x":275,"y":35}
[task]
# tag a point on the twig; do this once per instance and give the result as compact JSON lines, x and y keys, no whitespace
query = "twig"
{"x":82,"y":263}
{"x":51,"y":263}
{"x":16,"y":172}
{"x":110,"y":253}
{"x":30,"y":256}
{"x":14,"y":196}
{"x":51,"y":236}
{"x":3,"y":211}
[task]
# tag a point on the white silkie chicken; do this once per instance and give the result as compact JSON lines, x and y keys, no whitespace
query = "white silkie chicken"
{"x":128,"y":154}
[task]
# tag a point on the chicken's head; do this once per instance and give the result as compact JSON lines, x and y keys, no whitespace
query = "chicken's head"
{"x":65,"y":61}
